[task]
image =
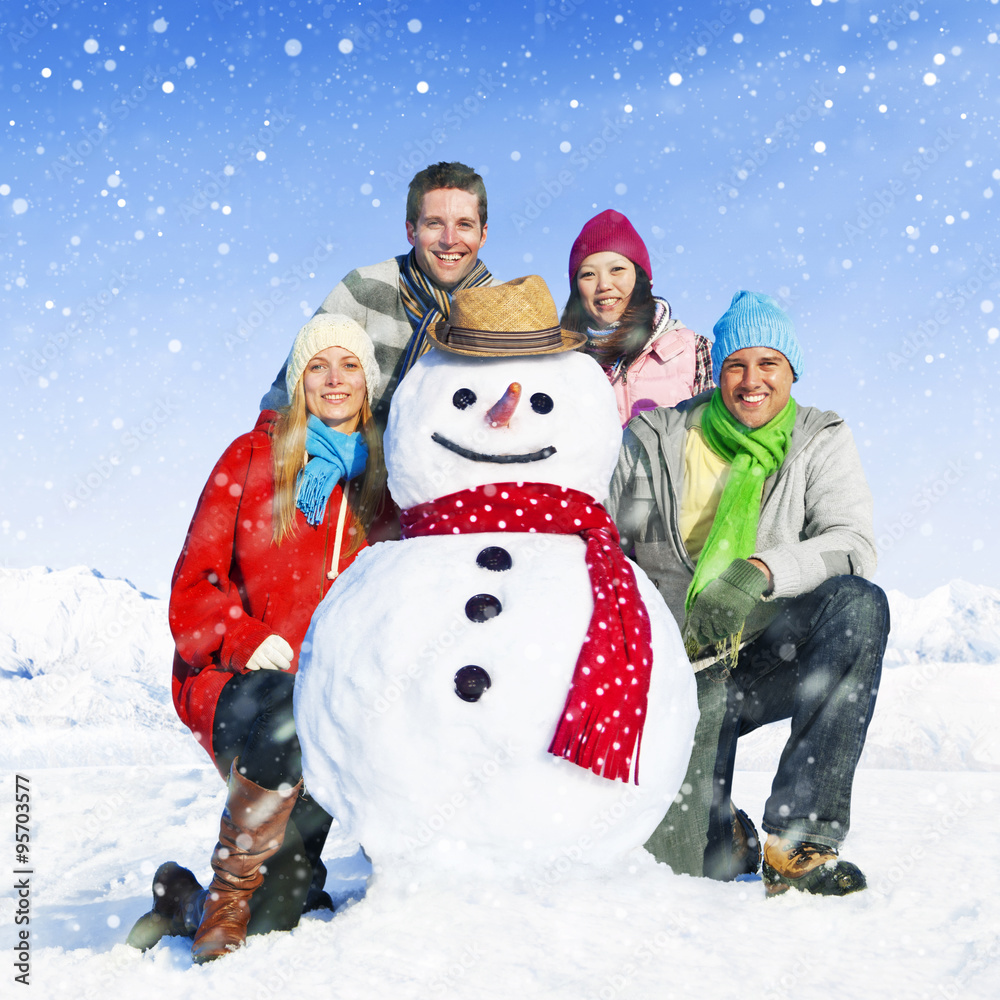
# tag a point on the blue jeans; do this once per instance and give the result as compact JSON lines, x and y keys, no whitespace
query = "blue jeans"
{"x":819,"y":664}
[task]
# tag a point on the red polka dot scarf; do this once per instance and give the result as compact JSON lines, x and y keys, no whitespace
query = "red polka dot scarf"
{"x":601,"y":725}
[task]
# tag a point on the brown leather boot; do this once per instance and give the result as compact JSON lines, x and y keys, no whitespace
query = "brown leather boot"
{"x":178,"y":899}
{"x":251,"y":831}
{"x":792,"y":864}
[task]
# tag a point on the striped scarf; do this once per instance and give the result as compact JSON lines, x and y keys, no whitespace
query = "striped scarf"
{"x":426,"y":304}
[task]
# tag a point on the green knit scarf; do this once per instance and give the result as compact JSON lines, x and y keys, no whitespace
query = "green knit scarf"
{"x":753,"y":456}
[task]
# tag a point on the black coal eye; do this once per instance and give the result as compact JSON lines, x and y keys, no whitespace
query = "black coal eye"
{"x":542,"y":402}
{"x":463,"y":399}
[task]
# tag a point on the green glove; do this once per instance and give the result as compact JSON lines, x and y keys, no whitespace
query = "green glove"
{"x":720,"y":610}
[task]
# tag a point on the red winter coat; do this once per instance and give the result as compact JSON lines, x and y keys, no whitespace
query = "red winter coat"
{"x":233,"y":587}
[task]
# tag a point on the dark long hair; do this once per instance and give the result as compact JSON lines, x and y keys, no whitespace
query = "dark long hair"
{"x":633,"y":330}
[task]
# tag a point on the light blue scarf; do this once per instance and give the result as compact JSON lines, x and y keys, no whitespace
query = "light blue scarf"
{"x":335,"y":456}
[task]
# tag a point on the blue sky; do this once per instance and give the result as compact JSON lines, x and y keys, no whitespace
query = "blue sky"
{"x":182,"y":184}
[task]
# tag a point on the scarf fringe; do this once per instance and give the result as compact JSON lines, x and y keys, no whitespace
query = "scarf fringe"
{"x":604,"y":749}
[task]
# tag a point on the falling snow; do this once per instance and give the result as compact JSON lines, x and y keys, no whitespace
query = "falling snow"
{"x":841,"y":157}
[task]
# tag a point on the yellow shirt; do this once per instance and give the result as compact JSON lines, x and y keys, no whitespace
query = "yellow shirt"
{"x":705,"y":477}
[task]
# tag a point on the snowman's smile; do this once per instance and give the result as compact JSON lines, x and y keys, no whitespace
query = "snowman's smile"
{"x":476,"y":456}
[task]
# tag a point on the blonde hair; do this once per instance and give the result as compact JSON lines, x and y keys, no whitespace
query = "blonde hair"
{"x":288,"y":453}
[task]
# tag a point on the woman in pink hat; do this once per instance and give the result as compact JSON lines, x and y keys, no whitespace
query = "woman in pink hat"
{"x":651,"y":358}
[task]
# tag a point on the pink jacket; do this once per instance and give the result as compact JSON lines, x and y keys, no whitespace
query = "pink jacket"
{"x":664,"y":373}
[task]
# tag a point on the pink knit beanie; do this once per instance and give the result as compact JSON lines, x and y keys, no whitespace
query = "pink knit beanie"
{"x":609,"y":231}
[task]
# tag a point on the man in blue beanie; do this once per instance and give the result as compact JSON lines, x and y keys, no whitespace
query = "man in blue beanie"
{"x":753,"y":518}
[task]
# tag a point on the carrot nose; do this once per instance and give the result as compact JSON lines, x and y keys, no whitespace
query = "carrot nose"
{"x":502,"y":410}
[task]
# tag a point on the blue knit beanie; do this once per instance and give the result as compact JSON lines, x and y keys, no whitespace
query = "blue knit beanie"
{"x":755,"y":320}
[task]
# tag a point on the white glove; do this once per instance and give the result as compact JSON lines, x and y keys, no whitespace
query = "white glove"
{"x":273,"y":653}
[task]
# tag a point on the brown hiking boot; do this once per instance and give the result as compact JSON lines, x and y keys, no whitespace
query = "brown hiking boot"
{"x":791,"y":864}
{"x":250,"y":832}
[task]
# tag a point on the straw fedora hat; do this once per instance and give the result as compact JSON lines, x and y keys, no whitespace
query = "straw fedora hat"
{"x":497,"y":321}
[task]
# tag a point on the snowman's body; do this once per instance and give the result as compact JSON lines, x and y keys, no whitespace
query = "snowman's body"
{"x":410,"y":768}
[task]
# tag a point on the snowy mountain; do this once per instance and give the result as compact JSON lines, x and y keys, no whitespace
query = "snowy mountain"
{"x":85,"y":668}
{"x":956,"y":623}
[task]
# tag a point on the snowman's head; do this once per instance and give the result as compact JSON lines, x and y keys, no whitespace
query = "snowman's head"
{"x":458,"y":422}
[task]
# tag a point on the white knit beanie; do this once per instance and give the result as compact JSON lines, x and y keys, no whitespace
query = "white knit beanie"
{"x":331,"y":330}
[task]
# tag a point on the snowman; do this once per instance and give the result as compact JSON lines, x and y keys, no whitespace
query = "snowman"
{"x":502,"y":686}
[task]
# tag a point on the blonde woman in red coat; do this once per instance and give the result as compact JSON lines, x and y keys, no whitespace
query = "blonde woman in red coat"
{"x":285,"y":510}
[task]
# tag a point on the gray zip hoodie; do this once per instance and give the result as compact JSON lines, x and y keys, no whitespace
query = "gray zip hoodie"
{"x":815,"y":517}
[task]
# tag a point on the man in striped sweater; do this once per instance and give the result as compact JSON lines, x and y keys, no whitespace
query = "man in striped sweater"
{"x":398,"y":299}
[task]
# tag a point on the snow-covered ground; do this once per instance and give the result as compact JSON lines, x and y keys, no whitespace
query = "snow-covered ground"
{"x":117,"y":785}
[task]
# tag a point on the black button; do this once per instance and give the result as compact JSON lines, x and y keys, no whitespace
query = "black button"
{"x":482,"y":607}
{"x":495,"y":558}
{"x":471,"y":682}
